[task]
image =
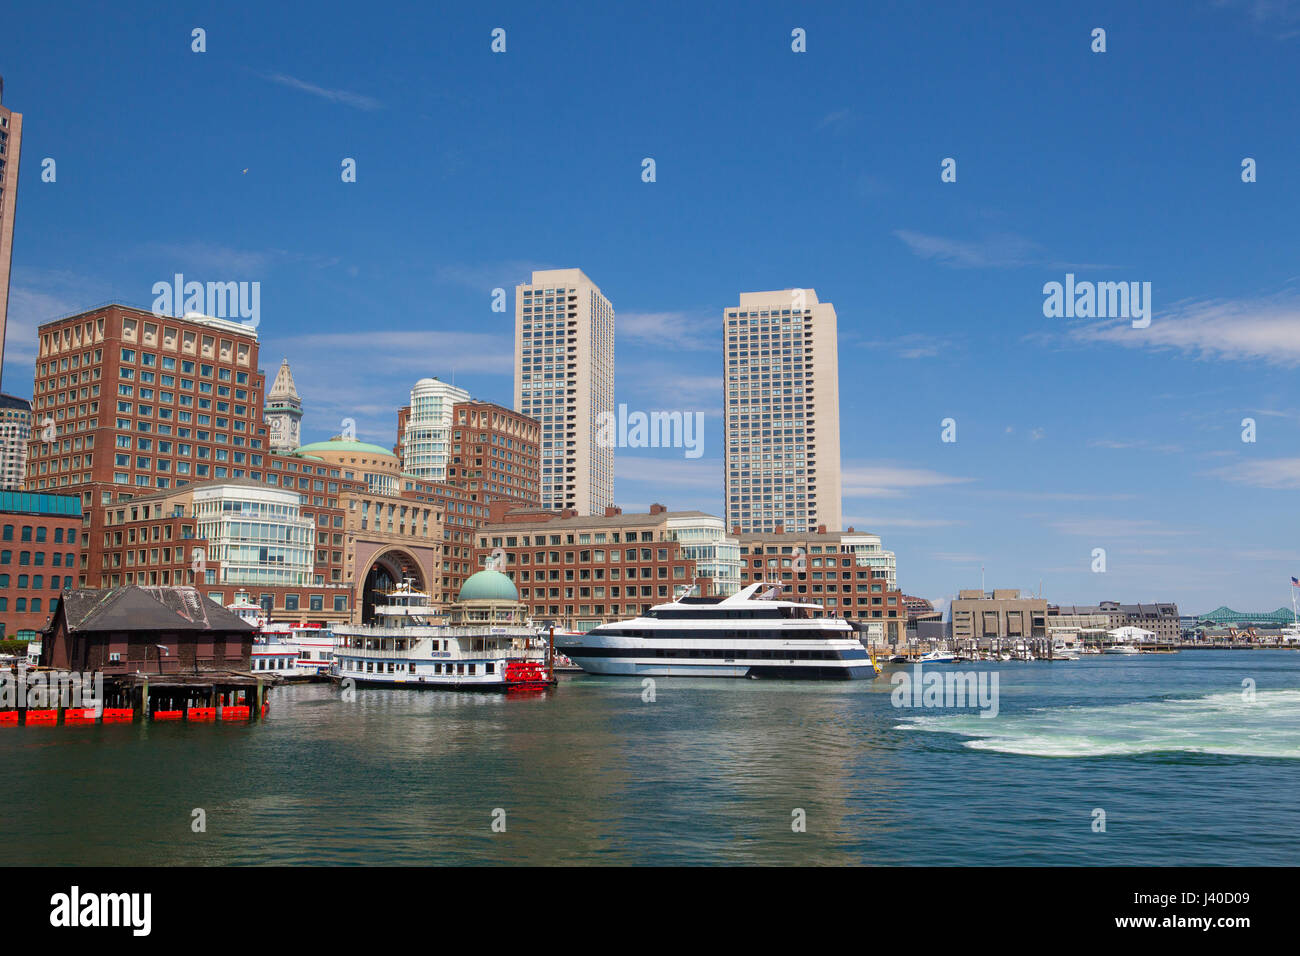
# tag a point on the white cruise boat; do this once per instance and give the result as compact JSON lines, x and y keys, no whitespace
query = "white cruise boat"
{"x":749,"y":634}
{"x":275,"y":650}
{"x":315,"y":648}
{"x":488,"y":645}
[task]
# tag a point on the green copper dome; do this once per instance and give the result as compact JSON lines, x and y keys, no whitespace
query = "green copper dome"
{"x":488,"y":586}
{"x":344,"y":445}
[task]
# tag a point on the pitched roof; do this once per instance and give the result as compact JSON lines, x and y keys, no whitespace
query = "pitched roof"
{"x":137,"y":608}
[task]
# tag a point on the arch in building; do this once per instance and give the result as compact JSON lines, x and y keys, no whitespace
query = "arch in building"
{"x":388,"y":568}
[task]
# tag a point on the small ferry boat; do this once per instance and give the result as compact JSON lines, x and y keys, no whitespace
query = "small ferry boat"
{"x":275,"y":650}
{"x":1063,"y":651}
{"x":487,"y":645}
{"x":749,"y":634}
{"x":937,"y":657}
{"x":315,"y":648}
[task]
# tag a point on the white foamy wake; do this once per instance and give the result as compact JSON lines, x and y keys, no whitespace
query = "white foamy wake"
{"x":1216,"y":724}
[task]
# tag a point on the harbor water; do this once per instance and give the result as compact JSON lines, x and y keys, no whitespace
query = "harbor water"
{"x":1190,"y":758}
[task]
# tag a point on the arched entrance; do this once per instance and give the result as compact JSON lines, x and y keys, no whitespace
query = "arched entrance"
{"x":387,"y":570}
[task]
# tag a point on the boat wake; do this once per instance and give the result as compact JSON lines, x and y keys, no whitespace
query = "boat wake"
{"x":1224,"y":724}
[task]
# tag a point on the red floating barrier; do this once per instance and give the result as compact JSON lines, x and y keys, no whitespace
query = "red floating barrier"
{"x":169,"y":715}
{"x":201,"y":713}
{"x":80,"y":715}
{"x":42,"y":717}
{"x":264,"y":706}
{"x":235,"y":713}
{"x":118,"y":715}
{"x":8,"y":718}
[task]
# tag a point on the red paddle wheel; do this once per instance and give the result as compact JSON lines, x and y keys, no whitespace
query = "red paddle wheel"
{"x":526,"y":674}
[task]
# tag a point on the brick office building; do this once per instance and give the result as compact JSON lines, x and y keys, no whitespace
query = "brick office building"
{"x":144,"y":405}
{"x":38,"y":554}
{"x":494,"y":453}
{"x":579,"y":571}
{"x":844,"y":572}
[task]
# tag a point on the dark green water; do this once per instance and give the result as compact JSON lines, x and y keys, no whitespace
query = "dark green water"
{"x":1186,"y":770}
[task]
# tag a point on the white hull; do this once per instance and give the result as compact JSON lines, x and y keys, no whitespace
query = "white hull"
{"x":651,"y":667}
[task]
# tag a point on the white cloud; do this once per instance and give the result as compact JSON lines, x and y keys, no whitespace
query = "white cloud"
{"x":486,"y":276}
{"x":899,"y":522}
{"x":1273,"y":473}
{"x":1265,"y":330}
{"x":1114,"y":527}
{"x":890,"y":481}
{"x":346,"y":97}
{"x":695,"y":331}
{"x":1001,"y":251}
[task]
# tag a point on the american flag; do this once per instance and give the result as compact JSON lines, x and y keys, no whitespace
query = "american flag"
{"x":1295,"y":581}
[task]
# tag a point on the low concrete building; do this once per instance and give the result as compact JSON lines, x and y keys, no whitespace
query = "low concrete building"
{"x":1162,"y":618}
{"x":1001,"y":614}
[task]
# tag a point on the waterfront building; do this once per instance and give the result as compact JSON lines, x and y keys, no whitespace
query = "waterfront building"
{"x":1162,"y":618}
{"x":147,"y":630}
{"x":846,"y":572}
{"x":424,"y":428}
{"x":704,"y":540}
{"x":782,"y":413}
{"x":256,"y":536}
{"x":11,"y":144}
{"x":15,"y":431}
{"x":578,"y":571}
{"x":283,"y":413}
{"x":494,"y":454}
{"x":143,"y":406}
{"x":564,"y":379}
{"x":1001,"y":613}
{"x":38,"y":553}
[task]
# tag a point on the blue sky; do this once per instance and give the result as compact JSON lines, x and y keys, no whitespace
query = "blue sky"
{"x":775,"y":169}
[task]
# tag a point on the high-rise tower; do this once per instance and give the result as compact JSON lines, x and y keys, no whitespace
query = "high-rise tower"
{"x":11,"y":141}
{"x":564,"y":378}
{"x":783,"y":413}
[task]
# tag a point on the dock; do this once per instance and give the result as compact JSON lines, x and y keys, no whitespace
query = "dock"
{"x":47,"y":698}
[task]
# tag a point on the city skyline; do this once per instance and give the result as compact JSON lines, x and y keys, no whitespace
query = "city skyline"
{"x":1071,"y":435}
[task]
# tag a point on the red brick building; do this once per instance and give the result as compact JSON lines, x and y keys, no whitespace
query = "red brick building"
{"x":578,"y":571}
{"x":494,"y":453}
{"x":38,"y":554}
{"x":822,"y":568}
{"x":128,"y":404}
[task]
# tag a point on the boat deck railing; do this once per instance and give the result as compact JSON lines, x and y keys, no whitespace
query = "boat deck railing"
{"x":464,"y":653}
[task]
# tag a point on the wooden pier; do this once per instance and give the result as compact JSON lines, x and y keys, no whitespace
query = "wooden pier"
{"x":130,"y":697}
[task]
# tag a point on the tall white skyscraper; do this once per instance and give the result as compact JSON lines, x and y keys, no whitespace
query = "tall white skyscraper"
{"x":425,"y":441}
{"x":564,"y":378}
{"x":783,"y":413}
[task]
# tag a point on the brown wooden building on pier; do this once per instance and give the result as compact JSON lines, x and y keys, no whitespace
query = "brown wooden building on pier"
{"x":145,"y":630}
